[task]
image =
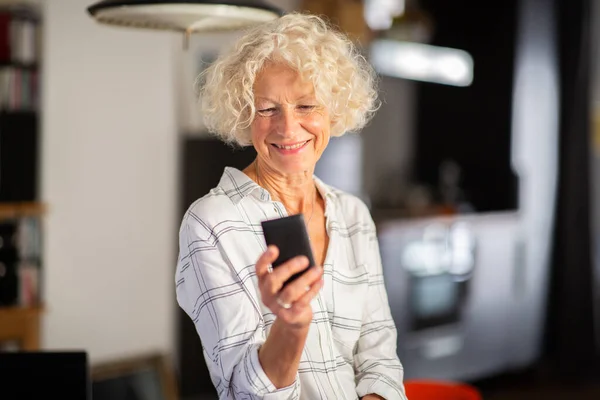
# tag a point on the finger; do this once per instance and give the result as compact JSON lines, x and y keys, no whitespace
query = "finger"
{"x":265,"y":260}
{"x":309,"y":295}
{"x":284,"y":271}
{"x":283,"y":304}
{"x":300,"y":286}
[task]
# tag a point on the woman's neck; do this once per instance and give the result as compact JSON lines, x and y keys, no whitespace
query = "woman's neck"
{"x":296,"y":192}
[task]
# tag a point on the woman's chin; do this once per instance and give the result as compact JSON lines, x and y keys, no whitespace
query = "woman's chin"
{"x":294,"y":168}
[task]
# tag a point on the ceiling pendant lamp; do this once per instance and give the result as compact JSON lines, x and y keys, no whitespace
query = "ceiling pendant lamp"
{"x":402,"y":50}
{"x":186,"y":16}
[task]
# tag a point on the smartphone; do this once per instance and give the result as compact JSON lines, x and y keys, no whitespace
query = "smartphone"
{"x":291,"y":238}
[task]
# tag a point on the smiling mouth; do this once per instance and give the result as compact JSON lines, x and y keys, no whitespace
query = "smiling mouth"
{"x":290,"y":147}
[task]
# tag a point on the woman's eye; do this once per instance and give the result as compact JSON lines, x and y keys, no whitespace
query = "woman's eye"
{"x":267,"y":111}
{"x":306,"y":108}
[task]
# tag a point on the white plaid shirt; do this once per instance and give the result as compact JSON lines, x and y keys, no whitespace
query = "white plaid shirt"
{"x":350,"y":350}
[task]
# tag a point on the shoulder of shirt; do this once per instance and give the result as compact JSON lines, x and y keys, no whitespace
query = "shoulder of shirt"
{"x":351,"y":205}
{"x":214,"y":207}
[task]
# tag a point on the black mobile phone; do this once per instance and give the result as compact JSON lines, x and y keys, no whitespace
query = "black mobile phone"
{"x":291,"y":238}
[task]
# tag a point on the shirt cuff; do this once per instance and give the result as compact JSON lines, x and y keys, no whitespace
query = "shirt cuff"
{"x":380,"y":386}
{"x":266,"y":389}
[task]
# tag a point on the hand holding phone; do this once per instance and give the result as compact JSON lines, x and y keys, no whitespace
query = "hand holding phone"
{"x":287,"y":277}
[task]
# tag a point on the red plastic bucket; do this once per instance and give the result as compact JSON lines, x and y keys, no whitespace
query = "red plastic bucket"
{"x":434,"y":390}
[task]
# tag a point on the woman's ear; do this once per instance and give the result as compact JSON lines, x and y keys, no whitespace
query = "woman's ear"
{"x":335,"y":128}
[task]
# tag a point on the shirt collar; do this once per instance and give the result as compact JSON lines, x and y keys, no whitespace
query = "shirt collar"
{"x":326,"y":191}
{"x":237,"y":185}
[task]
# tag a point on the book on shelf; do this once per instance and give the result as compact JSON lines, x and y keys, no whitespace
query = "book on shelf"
{"x":18,"y":89}
{"x":20,"y":262}
{"x":19,"y":57}
{"x":29,"y":268}
{"x":29,"y":284}
{"x":19,"y":37}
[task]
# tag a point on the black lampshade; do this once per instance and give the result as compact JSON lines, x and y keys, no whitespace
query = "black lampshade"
{"x":184,"y":15}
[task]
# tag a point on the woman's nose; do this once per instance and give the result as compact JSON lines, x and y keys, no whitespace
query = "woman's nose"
{"x":288,"y":122}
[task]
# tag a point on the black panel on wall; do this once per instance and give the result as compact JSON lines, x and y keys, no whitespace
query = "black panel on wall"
{"x":471,"y":125}
{"x":203,"y":162}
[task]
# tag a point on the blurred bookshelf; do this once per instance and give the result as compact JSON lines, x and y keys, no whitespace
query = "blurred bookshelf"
{"x":21,"y":211}
{"x":21,"y":302}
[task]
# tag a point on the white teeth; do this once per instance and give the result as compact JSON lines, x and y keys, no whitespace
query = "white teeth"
{"x":295,"y":146}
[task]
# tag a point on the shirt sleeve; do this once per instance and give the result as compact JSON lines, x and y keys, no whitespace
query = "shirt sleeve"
{"x":209,"y":290}
{"x":378,"y":368}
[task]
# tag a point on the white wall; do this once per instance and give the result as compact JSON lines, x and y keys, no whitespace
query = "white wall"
{"x":109,"y":178}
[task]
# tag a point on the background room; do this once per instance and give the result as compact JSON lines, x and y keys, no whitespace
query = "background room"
{"x":481,"y":170}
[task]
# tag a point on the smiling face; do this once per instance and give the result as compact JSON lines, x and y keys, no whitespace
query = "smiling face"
{"x":291,"y":129}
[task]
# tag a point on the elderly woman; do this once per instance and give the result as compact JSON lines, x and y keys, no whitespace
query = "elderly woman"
{"x":285,"y":88}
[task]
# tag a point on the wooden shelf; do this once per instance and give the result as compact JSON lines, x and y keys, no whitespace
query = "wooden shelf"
{"x":19,"y":210}
{"x":21,"y":324}
{"x":18,"y":311}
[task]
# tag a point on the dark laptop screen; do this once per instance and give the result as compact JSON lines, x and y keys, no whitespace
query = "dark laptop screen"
{"x":44,"y":375}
